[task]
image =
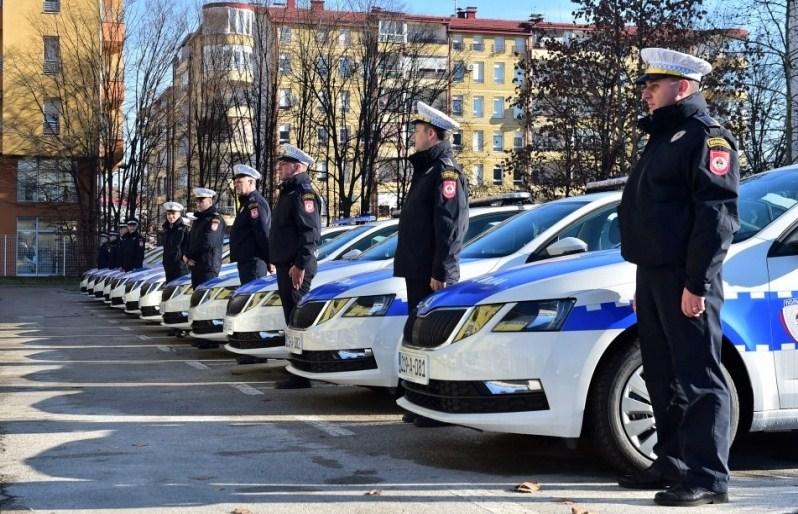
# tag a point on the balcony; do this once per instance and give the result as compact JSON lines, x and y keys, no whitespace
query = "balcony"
{"x":51,"y":6}
{"x":113,"y":36}
{"x":52,"y":66}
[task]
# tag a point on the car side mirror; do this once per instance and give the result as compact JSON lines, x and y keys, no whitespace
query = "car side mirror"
{"x":566,"y":246}
{"x":351,"y":254}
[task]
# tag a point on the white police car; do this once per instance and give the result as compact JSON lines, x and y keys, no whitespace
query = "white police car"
{"x":178,"y":296}
{"x":551,"y":348}
{"x":254,"y":322}
{"x":90,"y":277}
{"x":349,"y":331}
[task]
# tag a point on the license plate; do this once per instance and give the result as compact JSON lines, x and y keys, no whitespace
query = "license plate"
{"x":293,"y":343}
{"x":228,"y":326}
{"x":414,"y":367}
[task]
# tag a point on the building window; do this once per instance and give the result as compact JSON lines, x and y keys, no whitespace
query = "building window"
{"x":219,"y":58}
{"x":458,"y":71}
{"x":498,"y":175}
{"x":498,"y":73}
{"x":498,"y":44}
{"x":44,"y":180}
{"x":479,"y":106}
{"x":285,"y":134}
{"x":345,"y":37}
{"x":46,"y":247}
{"x":479,"y":174}
{"x":52,"y":116}
{"x":51,"y":6}
{"x":285,"y":99}
{"x":285,"y":64}
{"x":345,"y":102}
{"x":457,"y":42}
{"x":285,"y":34}
{"x":478,"y":72}
{"x":323,"y":67}
{"x":343,"y":135}
{"x":321,"y":134}
{"x":518,"y":141}
{"x":520,"y":45}
{"x":478,"y":140}
{"x":457,"y":105}
{"x":393,"y":31}
{"x":52,"y":54}
{"x":457,"y":139}
{"x":498,"y":107}
{"x":239,"y":21}
{"x":518,"y":177}
{"x":346,"y":67}
{"x":321,"y":170}
{"x":498,"y":141}
{"x":477,"y":44}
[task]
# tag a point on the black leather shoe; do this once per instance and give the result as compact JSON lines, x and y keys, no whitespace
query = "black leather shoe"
{"x":293,"y":382}
{"x":409,"y":417}
{"x":648,"y":479}
{"x":205,"y":345}
{"x":689,"y":497}
{"x":422,"y":422}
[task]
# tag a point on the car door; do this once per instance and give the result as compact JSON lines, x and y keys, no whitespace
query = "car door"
{"x":783,"y":298}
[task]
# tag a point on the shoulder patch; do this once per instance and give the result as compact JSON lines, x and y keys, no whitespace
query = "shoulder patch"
{"x":706,"y":119}
{"x":718,"y":143}
{"x":449,"y":174}
{"x":309,"y":196}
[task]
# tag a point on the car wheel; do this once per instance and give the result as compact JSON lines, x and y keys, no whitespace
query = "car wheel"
{"x":619,"y":417}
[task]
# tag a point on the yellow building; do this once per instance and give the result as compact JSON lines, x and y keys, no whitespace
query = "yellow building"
{"x":48,"y":183}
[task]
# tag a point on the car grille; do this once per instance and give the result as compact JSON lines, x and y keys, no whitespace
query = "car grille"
{"x":132,"y":306}
{"x":98,"y":293}
{"x":173,"y":318}
{"x":463,"y":397}
{"x":236,"y":304}
{"x":330,"y":362}
{"x":117,"y":300}
{"x":197,"y":296}
{"x":433,"y":329}
{"x":304,"y":315}
{"x":150,"y":311}
{"x":253,"y":340}
{"x":167,"y":293}
{"x":206,"y":326}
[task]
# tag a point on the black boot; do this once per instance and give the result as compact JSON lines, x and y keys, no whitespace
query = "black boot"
{"x":293,"y":382}
{"x":205,"y":345}
{"x":648,"y":479}
{"x":689,"y":497}
{"x":250,"y":359}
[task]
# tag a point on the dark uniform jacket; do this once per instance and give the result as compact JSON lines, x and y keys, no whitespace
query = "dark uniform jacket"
{"x":115,"y":254}
{"x":175,"y":243}
{"x":296,"y":225}
{"x":206,"y":241}
{"x":132,"y":251}
{"x":434,"y":218}
{"x":104,"y":255}
{"x":249,"y":237}
{"x":679,"y":207}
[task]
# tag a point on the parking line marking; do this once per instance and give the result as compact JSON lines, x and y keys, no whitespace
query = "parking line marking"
{"x":126,"y":329}
{"x":113,"y":321}
{"x":247,"y":389}
{"x":144,"y":338}
{"x":328,"y":428}
{"x":197,"y":365}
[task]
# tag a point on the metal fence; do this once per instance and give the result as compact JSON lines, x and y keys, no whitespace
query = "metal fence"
{"x":37,"y":254}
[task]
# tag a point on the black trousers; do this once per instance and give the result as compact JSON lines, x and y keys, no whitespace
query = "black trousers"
{"x":172,"y":272}
{"x":250,"y":270}
{"x":288,"y":295}
{"x":201,"y":276}
{"x":681,"y":364}
{"x":417,"y":290}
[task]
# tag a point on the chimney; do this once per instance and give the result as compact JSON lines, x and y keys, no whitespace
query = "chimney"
{"x":460,"y":13}
{"x":471,"y":13}
{"x":290,"y":5}
{"x":316,"y":5}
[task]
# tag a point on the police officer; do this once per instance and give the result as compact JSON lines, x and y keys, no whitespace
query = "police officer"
{"x":249,"y":237}
{"x":434,"y":216}
{"x":294,"y":236}
{"x":104,"y":252}
{"x":116,"y":247}
{"x":175,"y":241}
{"x":132,"y":249}
{"x":677,"y":218}
{"x":206,"y":239}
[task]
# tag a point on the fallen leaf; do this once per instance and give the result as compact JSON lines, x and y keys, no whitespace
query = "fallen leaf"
{"x":527,"y":487}
{"x":240,"y":510}
{"x":374,"y":492}
{"x":580,"y":510}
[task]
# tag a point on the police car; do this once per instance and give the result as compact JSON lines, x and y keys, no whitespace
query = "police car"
{"x":145,"y":282}
{"x":349,"y":331}
{"x":254,"y":321}
{"x":551,"y":348}
{"x":95,"y":279}
{"x":178,"y":296}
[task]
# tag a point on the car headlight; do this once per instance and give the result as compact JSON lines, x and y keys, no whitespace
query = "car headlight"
{"x":273,"y":300}
{"x":365,"y":306}
{"x":477,"y":320}
{"x":187,"y":290}
{"x":536,"y":316}
{"x":332,"y":308}
{"x":224,"y":293}
{"x":256,"y":300}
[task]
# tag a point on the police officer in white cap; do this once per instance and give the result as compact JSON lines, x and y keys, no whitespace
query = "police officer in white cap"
{"x":249,"y":236}
{"x":206,"y":239}
{"x":132,"y":246}
{"x":104,"y":252}
{"x":677,"y":218}
{"x":174,"y":240}
{"x":294,"y":236}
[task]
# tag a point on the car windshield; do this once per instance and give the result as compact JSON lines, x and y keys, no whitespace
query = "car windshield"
{"x":763,"y":198}
{"x":381,"y":251}
{"x":332,"y":234}
{"x":509,"y":237}
{"x":326,"y":249}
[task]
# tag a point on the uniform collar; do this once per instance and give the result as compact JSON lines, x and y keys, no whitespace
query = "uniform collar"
{"x":299,"y":178}
{"x":667,"y":118}
{"x":440,"y":150}
{"x":210,"y":211}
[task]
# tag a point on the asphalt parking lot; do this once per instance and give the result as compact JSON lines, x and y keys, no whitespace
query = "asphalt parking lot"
{"x":102,"y":412}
